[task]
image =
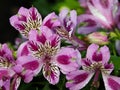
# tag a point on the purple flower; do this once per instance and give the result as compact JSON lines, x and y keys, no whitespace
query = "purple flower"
{"x":26,"y":66}
{"x":68,"y":21}
{"x":45,"y":47}
{"x":6,"y":67}
{"x":26,"y":20}
{"x":68,"y":27}
{"x":96,"y":62}
{"x":104,"y":11}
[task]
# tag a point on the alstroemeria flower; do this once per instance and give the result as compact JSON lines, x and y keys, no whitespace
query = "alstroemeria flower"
{"x":96,"y":62}
{"x":45,"y":47}
{"x":68,"y":21}
{"x":26,"y":20}
{"x":67,"y":28}
{"x":6,"y":67}
{"x":104,"y":11}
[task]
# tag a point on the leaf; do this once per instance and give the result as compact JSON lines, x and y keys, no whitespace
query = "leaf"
{"x":116,"y":61}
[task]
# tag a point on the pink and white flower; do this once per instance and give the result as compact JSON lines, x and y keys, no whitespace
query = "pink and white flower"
{"x":45,"y":47}
{"x":6,"y":67}
{"x":96,"y":62}
{"x":104,"y":11}
{"x":26,"y":20}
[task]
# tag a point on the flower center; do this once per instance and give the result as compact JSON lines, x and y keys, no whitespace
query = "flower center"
{"x":31,"y":24}
{"x":96,"y":67}
{"x":45,"y":51}
{"x":4,"y":62}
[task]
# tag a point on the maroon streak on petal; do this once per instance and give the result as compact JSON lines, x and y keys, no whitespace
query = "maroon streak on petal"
{"x":80,"y":78}
{"x":87,"y":62}
{"x":22,"y":18}
{"x":33,"y":14}
{"x":41,"y":38}
{"x":33,"y":46}
{"x":104,"y":3}
{"x":55,"y":41}
{"x":20,"y":26}
{"x":90,"y":22}
{"x":24,"y":51}
{"x":31,"y":65}
{"x":113,"y":84}
{"x":63,"y":59}
{"x":97,"y":56}
{"x":49,"y":24}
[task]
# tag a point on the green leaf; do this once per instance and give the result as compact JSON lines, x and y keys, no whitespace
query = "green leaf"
{"x":116,"y":61}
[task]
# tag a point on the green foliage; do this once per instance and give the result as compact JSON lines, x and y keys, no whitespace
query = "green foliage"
{"x":116,"y":61}
{"x":48,"y":6}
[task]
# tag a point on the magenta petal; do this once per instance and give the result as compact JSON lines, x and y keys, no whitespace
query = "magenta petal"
{"x":78,"y":79}
{"x":111,"y":82}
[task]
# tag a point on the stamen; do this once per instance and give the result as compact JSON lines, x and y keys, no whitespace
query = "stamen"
{"x":31,"y":24}
{"x":4,"y":62}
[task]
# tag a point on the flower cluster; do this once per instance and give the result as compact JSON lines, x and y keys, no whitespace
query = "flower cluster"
{"x":42,"y":48}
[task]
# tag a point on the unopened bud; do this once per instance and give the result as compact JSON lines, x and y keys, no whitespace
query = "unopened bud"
{"x":99,"y":38}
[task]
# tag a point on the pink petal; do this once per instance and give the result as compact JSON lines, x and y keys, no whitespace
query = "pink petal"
{"x":33,"y":35}
{"x":105,"y":54}
{"x":78,"y":79}
{"x":91,"y":50}
{"x":63,"y":14}
{"x":6,"y":85}
{"x":15,"y":82}
{"x":30,"y":63}
{"x":73,"y":15}
{"x":23,"y":50}
{"x":28,"y":76}
{"x":90,"y":24}
{"x":68,"y":59}
{"x":51,"y":20}
{"x":23,"y":11}
{"x":111,"y":82}
{"x":51,"y":73}
{"x":34,"y":14}
{"x":46,"y":32}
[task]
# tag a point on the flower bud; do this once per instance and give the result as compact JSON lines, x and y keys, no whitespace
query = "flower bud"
{"x":99,"y":38}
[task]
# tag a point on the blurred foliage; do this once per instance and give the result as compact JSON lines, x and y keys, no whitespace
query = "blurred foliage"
{"x":48,"y":6}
